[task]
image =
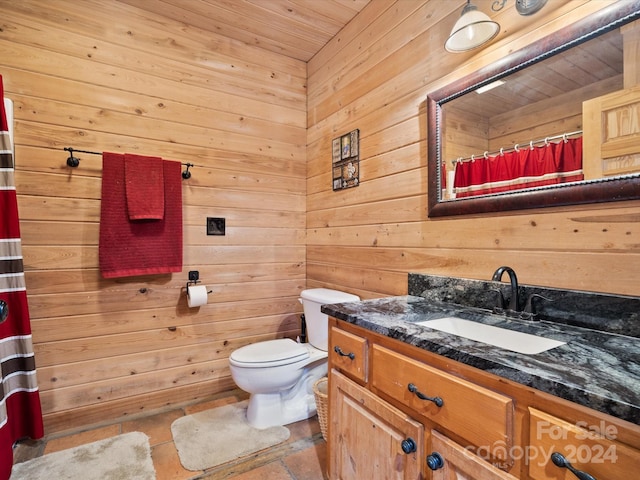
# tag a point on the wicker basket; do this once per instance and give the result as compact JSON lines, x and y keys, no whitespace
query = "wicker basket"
{"x":320,"y":391}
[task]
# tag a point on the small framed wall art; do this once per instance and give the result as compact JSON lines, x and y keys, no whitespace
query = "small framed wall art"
{"x":346,"y":160}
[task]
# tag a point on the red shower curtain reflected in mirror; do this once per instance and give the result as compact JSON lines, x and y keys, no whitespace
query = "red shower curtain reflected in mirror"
{"x":519,"y":169}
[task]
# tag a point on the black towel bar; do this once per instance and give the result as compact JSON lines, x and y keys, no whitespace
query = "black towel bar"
{"x":74,"y":162}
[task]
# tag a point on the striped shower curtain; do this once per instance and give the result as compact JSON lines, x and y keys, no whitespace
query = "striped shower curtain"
{"x":20,"y":412}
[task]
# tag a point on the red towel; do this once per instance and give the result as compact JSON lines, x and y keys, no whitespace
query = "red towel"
{"x":129,"y":248}
{"x":144,"y":181}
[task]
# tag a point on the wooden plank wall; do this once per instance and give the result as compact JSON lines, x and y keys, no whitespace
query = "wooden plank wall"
{"x":106,"y":76}
{"x":100,"y":76}
{"x":375,"y":76}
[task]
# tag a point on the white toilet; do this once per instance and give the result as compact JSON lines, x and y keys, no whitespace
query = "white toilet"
{"x":279,"y":374}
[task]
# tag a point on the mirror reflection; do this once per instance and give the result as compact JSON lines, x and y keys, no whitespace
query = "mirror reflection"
{"x":558,"y":131}
{"x":526,"y":130}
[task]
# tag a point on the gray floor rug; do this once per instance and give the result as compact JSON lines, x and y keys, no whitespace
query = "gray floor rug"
{"x":124,"y":457}
{"x":213,"y":437}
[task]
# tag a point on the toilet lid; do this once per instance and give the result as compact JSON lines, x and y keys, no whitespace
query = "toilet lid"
{"x":270,"y":353}
{"x":327,"y":296}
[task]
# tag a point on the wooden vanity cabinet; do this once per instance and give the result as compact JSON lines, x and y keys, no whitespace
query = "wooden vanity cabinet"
{"x":485,"y":428}
{"x":377,"y":423}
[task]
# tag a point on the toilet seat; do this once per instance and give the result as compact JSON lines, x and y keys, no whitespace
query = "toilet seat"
{"x":270,"y":353}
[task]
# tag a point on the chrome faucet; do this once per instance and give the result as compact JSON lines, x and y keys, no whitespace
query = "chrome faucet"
{"x":497,"y":277}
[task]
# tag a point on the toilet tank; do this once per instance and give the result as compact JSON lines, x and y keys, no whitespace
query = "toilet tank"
{"x":317,"y":322}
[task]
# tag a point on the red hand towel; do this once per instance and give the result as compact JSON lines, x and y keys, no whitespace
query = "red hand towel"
{"x":144,"y":181}
{"x":129,"y":248}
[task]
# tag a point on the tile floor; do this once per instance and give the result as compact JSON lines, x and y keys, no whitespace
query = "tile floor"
{"x":302,"y":457}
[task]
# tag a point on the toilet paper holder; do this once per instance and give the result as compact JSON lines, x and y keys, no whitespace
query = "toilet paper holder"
{"x":194,"y":278}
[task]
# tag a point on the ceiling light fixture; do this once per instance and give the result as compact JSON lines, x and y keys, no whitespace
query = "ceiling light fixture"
{"x":475,"y":28}
{"x":472,"y":30}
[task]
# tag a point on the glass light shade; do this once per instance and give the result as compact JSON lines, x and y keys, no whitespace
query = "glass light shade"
{"x":472,"y":29}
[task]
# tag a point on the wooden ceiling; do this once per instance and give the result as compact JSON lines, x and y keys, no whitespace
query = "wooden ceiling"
{"x":300,"y":28}
{"x":295,"y":28}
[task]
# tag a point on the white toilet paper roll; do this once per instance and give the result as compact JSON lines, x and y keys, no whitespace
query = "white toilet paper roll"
{"x":196,"y":296}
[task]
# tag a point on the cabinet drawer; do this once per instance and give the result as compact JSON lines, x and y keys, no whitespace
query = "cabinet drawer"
{"x":449,"y":460}
{"x":597,"y":454}
{"x":480,"y":416}
{"x":348,"y":353}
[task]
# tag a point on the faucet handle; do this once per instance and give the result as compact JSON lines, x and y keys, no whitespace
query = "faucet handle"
{"x":499,"y":306}
{"x":528,"y":308}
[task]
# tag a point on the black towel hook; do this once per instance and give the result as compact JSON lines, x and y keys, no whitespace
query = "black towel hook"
{"x":187,"y":174}
{"x":72,"y":161}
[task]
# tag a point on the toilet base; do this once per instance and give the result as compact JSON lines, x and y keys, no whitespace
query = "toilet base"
{"x":288,"y":406}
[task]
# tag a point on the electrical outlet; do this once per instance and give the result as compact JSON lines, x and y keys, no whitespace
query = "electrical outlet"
{"x":215,"y":226}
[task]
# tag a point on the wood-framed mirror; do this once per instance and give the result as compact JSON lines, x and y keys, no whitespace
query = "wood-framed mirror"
{"x":604,"y":26}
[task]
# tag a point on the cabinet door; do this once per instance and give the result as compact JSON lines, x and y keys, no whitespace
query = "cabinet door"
{"x":449,"y":461}
{"x":368,"y":437}
{"x":597,"y":454}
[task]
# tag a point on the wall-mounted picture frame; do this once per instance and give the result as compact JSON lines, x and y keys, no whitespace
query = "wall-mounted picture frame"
{"x":345,"y":152}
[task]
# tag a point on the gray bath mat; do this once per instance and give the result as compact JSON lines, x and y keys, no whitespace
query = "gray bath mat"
{"x":124,"y":457}
{"x":213,"y":437}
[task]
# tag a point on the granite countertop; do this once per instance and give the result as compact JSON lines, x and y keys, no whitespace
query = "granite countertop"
{"x":594,"y":368}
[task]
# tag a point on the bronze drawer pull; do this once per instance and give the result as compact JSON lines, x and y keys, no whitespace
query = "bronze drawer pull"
{"x":339,"y":351}
{"x":437,"y":400}
{"x":409,"y":445}
{"x":560,"y":461}
{"x":435,"y":461}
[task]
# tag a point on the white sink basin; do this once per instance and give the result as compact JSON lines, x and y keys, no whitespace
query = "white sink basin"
{"x":496,"y":336}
